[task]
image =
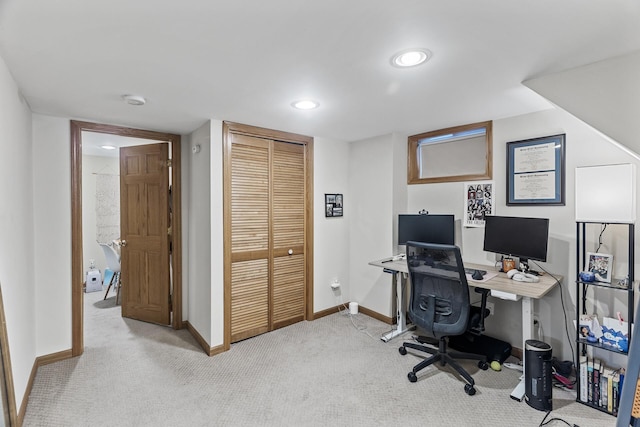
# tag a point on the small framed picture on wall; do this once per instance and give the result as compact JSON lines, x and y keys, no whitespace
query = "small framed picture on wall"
{"x":333,"y":205}
{"x":478,"y":197}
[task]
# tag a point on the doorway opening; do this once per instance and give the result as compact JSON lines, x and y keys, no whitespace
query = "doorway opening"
{"x":78,"y":263}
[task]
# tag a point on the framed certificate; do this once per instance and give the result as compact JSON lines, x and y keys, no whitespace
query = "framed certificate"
{"x":536,"y":171}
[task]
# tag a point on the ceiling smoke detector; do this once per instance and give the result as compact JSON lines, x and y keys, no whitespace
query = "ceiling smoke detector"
{"x":134,"y":99}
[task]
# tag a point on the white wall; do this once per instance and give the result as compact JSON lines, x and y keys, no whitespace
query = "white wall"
{"x":35,"y":220}
{"x":605,"y":94}
{"x":378,"y":190}
{"x":198,"y":195}
{"x":52,"y":231}
{"x":17,"y":261}
{"x":91,"y":165}
{"x":331,"y":235}
{"x":217,"y":237}
{"x":584,"y":147}
{"x":371,"y":186}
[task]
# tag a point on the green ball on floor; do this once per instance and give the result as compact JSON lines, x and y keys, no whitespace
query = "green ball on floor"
{"x":496,"y":366}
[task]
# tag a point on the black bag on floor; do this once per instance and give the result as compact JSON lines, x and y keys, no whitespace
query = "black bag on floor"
{"x":493,"y":348}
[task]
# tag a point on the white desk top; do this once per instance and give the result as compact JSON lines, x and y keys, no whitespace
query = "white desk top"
{"x":498,"y":283}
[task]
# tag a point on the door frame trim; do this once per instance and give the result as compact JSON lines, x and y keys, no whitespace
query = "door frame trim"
{"x":258,"y":132}
{"x":77,"y":267}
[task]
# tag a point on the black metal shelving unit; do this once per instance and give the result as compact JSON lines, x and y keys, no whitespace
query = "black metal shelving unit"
{"x":581,"y":289}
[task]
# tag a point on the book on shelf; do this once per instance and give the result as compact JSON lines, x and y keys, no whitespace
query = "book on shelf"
{"x":615,"y":389}
{"x":600,"y":385}
{"x":606,"y":394}
{"x":583,"y":379}
{"x":597,"y":366}
{"x":621,"y":375}
{"x":589,"y":379}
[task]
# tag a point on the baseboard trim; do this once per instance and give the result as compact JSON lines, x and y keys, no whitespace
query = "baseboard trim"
{"x":385,"y":319}
{"x":195,"y":334}
{"x":364,"y":310}
{"x":39,"y":361}
{"x":27,"y":392}
{"x":53,"y":357}
{"x":216,"y":350}
{"x":326,"y":312}
{"x":210,"y":351}
{"x":517,"y":352}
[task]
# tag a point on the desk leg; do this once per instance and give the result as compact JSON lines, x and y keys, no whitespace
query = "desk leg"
{"x":401,"y":302}
{"x":527,"y":333}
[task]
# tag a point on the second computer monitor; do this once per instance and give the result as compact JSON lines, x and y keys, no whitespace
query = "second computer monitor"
{"x":525,"y":238}
{"x":426,"y":228}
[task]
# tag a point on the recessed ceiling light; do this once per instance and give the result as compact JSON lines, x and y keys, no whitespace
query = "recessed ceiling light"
{"x":305,"y":104}
{"x":410,"y":58}
{"x":134,"y":99}
{"x":108,"y":147}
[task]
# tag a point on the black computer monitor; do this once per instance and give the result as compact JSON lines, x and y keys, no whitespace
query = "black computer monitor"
{"x":426,"y":228}
{"x":525,"y":238}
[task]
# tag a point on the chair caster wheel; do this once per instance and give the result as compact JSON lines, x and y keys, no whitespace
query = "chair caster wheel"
{"x":483,"y":365}
{"x":402,"y":350}
{"x":469,"y":389}
{"x":412,"y":377}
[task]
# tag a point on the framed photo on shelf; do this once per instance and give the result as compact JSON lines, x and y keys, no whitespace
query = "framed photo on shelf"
{"x":536,"y":171}
{"x":601,"y":265}
{"x":333,"y":205}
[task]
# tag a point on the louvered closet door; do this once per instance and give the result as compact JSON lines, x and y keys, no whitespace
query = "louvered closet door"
{"x":267,"y":235}
{"x":288,"y":296}
{"x":249,"y":237}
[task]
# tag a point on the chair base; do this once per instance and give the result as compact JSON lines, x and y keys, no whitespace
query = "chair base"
{"x":445,"y":357}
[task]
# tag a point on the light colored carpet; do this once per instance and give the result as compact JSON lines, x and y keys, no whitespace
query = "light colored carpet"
{"x":334,"y":371}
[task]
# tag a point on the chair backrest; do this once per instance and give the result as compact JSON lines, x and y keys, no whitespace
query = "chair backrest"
{"x":113,"y":260}
{"x":439,"y":291}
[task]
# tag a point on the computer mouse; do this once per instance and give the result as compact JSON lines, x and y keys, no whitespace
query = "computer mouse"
{"x":477,"y":275}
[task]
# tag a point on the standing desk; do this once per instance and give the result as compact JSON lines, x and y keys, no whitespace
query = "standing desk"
{"x":399,"y":271}
{"x":501,"y":287}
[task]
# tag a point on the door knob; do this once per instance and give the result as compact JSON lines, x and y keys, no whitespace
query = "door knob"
{"x":123,"y":243}
{"x":290,"y":251}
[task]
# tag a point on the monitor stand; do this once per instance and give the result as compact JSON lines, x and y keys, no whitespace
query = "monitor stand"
{"x":524,"y":266}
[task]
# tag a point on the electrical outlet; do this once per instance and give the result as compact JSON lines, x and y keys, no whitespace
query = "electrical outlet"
{"x":491,"y":307}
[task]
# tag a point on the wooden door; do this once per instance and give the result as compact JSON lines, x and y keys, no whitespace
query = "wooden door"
{"x":267,"y":235}
{"x":144,"y":224}
{"x":249,"y":237}
{"x":288,"y":196}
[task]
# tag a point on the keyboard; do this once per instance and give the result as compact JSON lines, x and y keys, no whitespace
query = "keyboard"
{"x":455,"y":268}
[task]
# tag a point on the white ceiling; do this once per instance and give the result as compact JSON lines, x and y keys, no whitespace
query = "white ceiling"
{"x":246,"y":61}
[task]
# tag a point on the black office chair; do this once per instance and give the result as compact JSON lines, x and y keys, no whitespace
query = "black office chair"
{"x":440,"y":305}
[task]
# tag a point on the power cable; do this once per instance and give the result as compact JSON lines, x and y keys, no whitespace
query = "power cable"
{"x":564,"y":312}
{"x":544,"y":423}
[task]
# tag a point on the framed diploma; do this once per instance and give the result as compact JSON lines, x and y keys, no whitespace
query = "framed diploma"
{"x":535,"y":171}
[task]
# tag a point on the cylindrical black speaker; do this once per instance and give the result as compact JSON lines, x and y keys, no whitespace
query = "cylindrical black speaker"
{"x":537,"y":375}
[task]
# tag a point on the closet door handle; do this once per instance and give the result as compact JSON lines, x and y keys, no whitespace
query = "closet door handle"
{"x":123,"y":243}
{"x":290,"y":251}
